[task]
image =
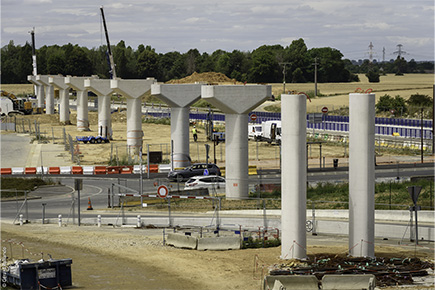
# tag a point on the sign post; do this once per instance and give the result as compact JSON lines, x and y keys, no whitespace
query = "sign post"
{"x":414,"y":192}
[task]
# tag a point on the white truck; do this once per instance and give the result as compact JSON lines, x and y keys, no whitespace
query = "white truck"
{"x":6,"y":106}
{"x":271,"y":131}
{"x":255,"y":131}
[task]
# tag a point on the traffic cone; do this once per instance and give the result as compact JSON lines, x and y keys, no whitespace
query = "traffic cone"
{"x":89,"y":204}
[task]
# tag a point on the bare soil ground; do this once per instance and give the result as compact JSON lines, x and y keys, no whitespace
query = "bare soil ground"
{"x":126,"y":258}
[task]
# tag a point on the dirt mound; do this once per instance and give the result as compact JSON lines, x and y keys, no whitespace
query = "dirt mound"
{"x":207,"y":78}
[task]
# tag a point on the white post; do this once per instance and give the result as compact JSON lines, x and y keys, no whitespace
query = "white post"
{"x":362,"y":174}
{"x":139,"y":222}
{"x":21,"y":220}
{"x":40,"y":96}
{"x":293,"y":176}
{"x":59,"y":220}
{"x":99,"y":220}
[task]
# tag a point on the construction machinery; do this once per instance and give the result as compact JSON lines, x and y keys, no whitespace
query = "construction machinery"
{"x":10,"y":104}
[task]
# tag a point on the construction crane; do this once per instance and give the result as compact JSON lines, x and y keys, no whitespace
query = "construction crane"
{"x":109,"y":50}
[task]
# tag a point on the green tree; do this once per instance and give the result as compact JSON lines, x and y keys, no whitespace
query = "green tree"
{"x":264,"y":66}
{"x":373,"y":76}
{"x":147,"y":63}
{"x":396,"y":105}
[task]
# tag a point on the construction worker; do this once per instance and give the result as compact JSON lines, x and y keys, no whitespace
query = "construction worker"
{"x":195,"y":134}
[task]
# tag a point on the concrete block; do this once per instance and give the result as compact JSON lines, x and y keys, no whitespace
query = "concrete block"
{"x":40,"y":169}
{"x":164,"y":168}
{"x":182,"y":241}
{"x":348,"y":282}
{"x":65,"y":170}
{"x":89,"y":170}
{"x":308,"y":282}
{"x":17,"y":170}
{"x":219,"y":243}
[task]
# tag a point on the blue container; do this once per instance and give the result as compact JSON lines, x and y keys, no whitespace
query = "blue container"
{"x":40,"y":275}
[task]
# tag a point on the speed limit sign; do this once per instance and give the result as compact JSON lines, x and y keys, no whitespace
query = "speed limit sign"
{"x":162,"y":191}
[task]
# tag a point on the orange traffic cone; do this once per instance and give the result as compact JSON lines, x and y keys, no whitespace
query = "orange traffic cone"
{"x":89,"y":204}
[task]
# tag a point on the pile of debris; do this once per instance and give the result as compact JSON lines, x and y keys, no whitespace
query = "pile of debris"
{"x":388,"y":271}
{"x":210,"y":78}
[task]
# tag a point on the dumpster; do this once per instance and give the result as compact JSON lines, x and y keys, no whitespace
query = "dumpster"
{"x":50,"y":274}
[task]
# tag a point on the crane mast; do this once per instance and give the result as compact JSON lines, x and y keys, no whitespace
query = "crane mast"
{"x":109,"y":50}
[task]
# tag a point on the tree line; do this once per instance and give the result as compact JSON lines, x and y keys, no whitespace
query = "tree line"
{"x":265,"y":64}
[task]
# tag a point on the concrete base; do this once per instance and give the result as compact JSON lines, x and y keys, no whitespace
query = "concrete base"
{"x":308,"y":282}
{"x":182,"y":241}
{"x":348,"y":282}
{"x":219,"y":243}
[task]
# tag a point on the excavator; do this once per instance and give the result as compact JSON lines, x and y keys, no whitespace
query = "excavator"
{"x":10,"y":104}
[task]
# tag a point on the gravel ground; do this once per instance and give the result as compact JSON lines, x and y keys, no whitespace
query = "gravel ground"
{"x":128,"y":258}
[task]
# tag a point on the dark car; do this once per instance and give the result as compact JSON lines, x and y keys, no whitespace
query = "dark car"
{"x":194,"y":170}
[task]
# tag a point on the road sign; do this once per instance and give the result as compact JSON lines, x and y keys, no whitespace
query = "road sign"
{"x":414,"y":192}
{"x":315,"y":118}
{"x":253,"y":117}
{"x":162,"y":191}
{"x":206,"y":172}
{"x":325,"y":110}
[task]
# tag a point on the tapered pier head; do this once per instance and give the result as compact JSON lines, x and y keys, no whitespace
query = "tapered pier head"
{"x":362,"y":175}
{"x":236,"y":101}
{"x":179,"y":97}
{"x":293,"y":176}
{"x":102,"y":89}
{"x":78,"y":84}
{"x":58,"y":82}
{"x":39,"y":90}
{"x":133,"y":90}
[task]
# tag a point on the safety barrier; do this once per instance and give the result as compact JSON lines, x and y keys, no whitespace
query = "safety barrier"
{"x":127,"y":169}
{"x":30,"y":170}
{"x":54,"y":170}
{"x":113,"y":169}
{"x":154,"y":168}
{"x":77,"y":170}
{"x":65,"y":170}
{"x":5,"y":171}
{"x":100,"y":170}
{"x":17,"y":170}
{"x":88,"y":170}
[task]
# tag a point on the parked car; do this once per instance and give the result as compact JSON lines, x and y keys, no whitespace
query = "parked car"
{"x":205,"y":181}
{"x":194,"y":170}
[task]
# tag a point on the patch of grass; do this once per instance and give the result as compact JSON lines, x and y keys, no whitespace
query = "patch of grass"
{"x":11,"y":185}
{"x":160,"y":121}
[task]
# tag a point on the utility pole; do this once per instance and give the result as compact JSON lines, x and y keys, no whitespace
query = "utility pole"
{"x":284,"y":73}
{"x":399,"y":51}
{"x":371,"y":52}
{"x":315,"y":76}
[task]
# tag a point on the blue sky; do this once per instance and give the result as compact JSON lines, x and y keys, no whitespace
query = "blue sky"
{"x":346,"y":25}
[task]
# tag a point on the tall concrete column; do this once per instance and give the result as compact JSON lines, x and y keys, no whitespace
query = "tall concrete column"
{"x":102,"y":89}
{"x":78,"y":84}
{"x":293,"y":176}
{"x":133,"y":90}
{"x":59,"y":83}
{"x":134,"y":125}
{"x":180,"y":136}
{"x":362,"y":175}
{"x":179,"y":97}
{"x":49,"y":93}
{"x":236,"y":155}
{"x":236,"y":101}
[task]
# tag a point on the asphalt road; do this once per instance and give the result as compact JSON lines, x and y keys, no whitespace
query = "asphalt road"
{"x":58,"y":200}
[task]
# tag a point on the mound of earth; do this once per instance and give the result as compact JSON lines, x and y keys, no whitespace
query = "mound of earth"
{"x":207,"y":77}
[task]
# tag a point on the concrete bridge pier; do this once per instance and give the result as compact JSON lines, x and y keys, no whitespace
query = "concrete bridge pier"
{"x":179,"y":97}
{"x":102,"y":89}
{"x":49,"y":93}
{"x":59,"y":83}
{"x":78,"y":84}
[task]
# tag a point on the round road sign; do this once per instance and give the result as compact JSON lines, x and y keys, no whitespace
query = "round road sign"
{"x":253,"y":117}
{"x":162,"y":191}
{"x":325,"y":110}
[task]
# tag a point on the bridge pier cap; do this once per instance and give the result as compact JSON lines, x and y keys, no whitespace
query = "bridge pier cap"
{"x":132,"y":89}
{"x":236,"y":101}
